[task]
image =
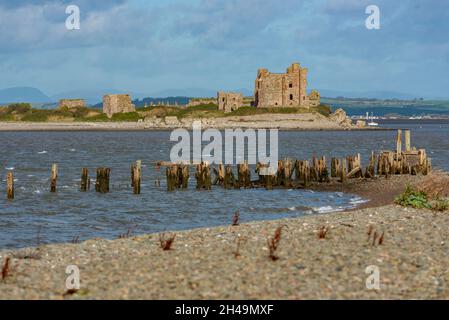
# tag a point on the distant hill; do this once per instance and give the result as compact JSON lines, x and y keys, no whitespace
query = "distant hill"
{"x":23,"y":94}
{"x":367,"y":94}
{"x":195,"y":92}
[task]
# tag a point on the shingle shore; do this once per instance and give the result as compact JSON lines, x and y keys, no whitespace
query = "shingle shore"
{"x":413,"y":261}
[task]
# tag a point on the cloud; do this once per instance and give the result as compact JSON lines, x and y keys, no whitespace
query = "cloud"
{"x":214,"y":43}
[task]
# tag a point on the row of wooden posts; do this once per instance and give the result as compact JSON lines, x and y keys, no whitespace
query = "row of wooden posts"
{"x":290,"y":173}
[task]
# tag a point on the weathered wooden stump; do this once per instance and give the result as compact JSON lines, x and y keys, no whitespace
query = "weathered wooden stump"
{"x":399,"y":142}
{"x":334,"y":167}
{"x":136,"y":176}
{"x":243,"y":175}
{"x":407,"y":140}
{"x":183,"y":176}
{"x":102,"y":181}
{"x":172,"y":177}
{"x":10,"y":186}
{"x":229,"y":179}
{"x":284,"y":173}
{"x":54,"y":177}
{"x":203,"y":178}
{"x":370,"y":170}
{"x":219,"y":175}
{"x":85,"y":181}
{"x":343,"y":171}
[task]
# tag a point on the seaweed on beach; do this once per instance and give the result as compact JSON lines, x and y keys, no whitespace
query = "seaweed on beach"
{"x":273,"y":243}
{"x":166,"y":242}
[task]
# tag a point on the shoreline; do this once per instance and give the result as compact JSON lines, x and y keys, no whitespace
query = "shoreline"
{"x":142,"y":126}
{"x":203,"y":263}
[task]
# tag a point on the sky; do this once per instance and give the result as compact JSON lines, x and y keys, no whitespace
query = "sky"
{"x":148,"y":46}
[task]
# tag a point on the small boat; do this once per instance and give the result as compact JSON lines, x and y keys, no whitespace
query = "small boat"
{"x":371,"y":123}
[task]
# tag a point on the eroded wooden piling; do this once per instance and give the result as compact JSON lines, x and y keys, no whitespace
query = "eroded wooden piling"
{"x":243,"y":175}
{"x":136,"y":176}
{"x":407,"y":140}
{"x":85,"y":181}
{"x":203,"y":178}
{"x":102,"y":181}
{"x":343,"y":171}
{"x":54,"y":177}
{"x":10,"y":186}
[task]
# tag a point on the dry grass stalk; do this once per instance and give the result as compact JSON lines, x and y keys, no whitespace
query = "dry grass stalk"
{"x":239,"y":241}
{"x":6,"y":268}
{"x":273,"y":243}
{"x":126,"y":235}
{"x":322,"y":232}
{"x":376,"y":237}
{"x":236,"y":219}
{"x":166,"y":243}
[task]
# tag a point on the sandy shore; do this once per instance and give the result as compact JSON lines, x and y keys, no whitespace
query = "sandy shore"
{"x":412,"y":259}
{"x":272,"y":121}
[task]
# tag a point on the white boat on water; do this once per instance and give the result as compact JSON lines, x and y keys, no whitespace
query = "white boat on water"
{"x":370,"y":120}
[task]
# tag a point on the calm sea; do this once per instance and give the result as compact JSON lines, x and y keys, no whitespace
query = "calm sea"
{"x":36,"y":213}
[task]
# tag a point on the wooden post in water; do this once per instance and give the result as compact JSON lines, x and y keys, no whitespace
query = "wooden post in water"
{"x":399,"y":143}
{"x":172,"y":177}
{"x":54,"y":177}
{"x":306,"y":173}
{"x":203,"y":179}
{"x":333,"y":167}
{"x":85,"y":181}
{"x":343,"y":170}
{"x":102,"y":182}
{"x":184,"y":173}
{"x":229,"y":180}
{"x":10,"y":185}
{"x":136,"y":177}
{"x":244,"y":175}
{"x":407,"y":141}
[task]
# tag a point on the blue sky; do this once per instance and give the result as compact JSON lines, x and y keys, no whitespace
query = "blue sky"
{"x":148,"y":46}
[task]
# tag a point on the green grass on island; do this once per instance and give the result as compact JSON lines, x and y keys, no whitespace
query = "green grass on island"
{"x":24,"y":112}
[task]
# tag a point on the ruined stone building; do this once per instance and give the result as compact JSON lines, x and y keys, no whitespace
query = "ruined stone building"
{"x":284,"y":89}
{"x":117,"y":103}
{"x":229,"y":101}
{"x":72,"y":103}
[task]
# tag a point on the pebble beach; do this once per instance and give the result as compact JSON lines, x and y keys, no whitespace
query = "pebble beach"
{"x":233,"y":262}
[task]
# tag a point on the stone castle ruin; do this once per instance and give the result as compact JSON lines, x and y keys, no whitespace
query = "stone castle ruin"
{"x":117,"y":103}
{"x":72,"y":103}
{"x":284,"y":89}
{"x":229,"y":101}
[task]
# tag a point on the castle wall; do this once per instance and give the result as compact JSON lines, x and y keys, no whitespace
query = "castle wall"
{"x":117,"y":103}
{"x":282,"y":89}
{"x":71,"y":103}
{"x":229,"y":101}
